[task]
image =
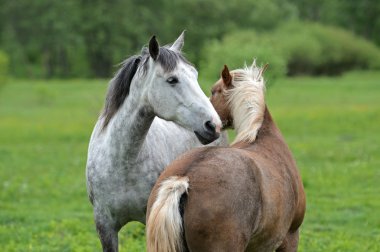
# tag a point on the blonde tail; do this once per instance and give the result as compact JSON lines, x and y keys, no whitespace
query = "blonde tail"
{"x":164,"y":225}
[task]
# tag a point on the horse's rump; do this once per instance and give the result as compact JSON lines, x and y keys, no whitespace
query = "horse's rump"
{"x":221,"y":190}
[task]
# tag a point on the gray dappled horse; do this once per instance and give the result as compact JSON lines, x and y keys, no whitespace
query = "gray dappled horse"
{"x":137,"y":135}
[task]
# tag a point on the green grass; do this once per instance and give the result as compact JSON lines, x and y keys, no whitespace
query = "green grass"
{"x":331,"y":124}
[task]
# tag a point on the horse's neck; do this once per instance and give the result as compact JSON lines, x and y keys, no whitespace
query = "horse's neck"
{"x":130,"y":125}
{"x":268,"y":127}
{"x":267,"y":133}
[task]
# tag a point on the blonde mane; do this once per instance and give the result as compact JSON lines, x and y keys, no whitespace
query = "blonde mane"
{"x":247,"y":101}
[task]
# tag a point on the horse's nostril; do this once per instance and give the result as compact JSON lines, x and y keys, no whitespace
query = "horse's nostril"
{"x":210,"y":126}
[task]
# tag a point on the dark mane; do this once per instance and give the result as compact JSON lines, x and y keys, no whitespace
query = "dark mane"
{"x":120,"y":84}
{"x":119,"y":88}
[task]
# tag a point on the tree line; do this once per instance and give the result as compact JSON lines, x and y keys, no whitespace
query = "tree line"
{"x":87,"y":38}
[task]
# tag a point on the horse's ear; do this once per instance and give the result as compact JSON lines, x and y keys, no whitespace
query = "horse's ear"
{"x":178,"y":44}
{"x":226,"y":76}
{"x":265,"y":67}
{"x":154,"y":48}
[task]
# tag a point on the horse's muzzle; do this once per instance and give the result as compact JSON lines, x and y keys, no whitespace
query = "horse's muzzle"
{"x":209,"y":133}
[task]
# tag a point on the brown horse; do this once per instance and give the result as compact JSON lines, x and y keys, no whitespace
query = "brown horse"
{"x":246,"y":197}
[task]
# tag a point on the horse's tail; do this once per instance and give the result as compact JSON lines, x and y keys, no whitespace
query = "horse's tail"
{"x":164,"y":224}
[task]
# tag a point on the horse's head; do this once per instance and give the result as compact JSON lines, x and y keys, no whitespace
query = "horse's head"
{"x":173,"y":93}
{"x":238,"y":98}
{"x":219,"y":98}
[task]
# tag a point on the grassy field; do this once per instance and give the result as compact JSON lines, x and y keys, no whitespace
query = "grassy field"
{"x":331,"y":124}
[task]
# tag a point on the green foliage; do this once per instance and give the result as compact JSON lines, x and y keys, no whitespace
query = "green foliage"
{"x":294,"y":48}
{"x":83,"y":38}
{"x":38,"y":36}
{"x":3,"y":68}
{"x":316,"y":49}
{"x":211,"y":19}
{"x":237,"y":48}
{"x":331,"y":125}
{"x":71,"y":38}
{"x":360,"y":17}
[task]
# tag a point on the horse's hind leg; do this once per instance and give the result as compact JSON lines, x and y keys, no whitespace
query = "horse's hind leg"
{"x":290,"y":243}
{"x":108,"y":234}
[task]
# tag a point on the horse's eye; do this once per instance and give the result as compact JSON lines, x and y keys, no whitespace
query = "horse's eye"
{"x":172,"y":80}
{"x":213,"y":92}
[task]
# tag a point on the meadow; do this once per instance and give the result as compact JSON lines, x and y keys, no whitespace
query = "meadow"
{"x":331,"y":124}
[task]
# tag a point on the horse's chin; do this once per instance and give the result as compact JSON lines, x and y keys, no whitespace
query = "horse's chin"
{"x":206,"y":139}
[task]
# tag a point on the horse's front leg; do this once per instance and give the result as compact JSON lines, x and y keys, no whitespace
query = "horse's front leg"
{"x":108,"y":232}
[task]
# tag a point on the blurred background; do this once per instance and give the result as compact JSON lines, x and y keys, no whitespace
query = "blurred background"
{"x":66,"y":39}
{"x":56,"y":58}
